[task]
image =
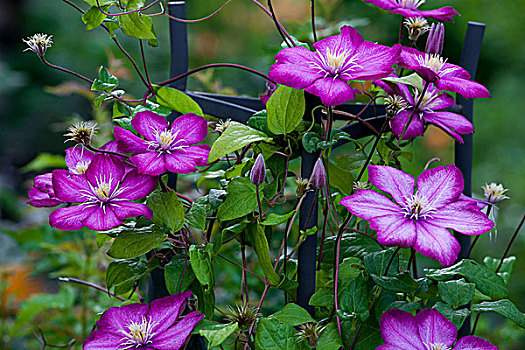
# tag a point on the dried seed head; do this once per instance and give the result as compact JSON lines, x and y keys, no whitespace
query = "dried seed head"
{"x":319,"y":175}
{"x":258,"y":172}
{"x":82,"y":132}
{"x":494,"y":192}
{"x":361,"y":185}
{"x":395,"y":104}
{"x":302,"y":184}
{"x":222,"y":125}
{"x":38,"y":43}
{"x":244,"y":315}
{"x":415,"y":26}
{"x":309,"y":332}
{"x":435,"y":39}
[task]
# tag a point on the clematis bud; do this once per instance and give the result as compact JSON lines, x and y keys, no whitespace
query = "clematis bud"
{"x":435,"y":39}
{"x":494,"y":192}
{"x":395,"y":104}
{"x":319,"y":174}
{"x":38,"y":43}
{"x":415,"y":26}
{"x":82,"y":132}
{"x":258,"y":172}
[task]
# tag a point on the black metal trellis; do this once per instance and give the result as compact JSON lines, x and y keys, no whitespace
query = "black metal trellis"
{"x":242,"y":108}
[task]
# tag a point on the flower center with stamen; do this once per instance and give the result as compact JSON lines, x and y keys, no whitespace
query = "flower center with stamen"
{"x":103,"y":190}
{"x":335,"y":62}
{"x":426,"y":99}
{"x":81,"y":168}
{"x":410,"y":4}
{"x":436,"y":346}
{"x":138,"y":335}
{"x":435,"y":63}
{"x":417,"y":206}
{"x":166,"y":141}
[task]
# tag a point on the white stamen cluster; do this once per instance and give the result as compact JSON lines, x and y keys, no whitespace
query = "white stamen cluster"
{"x":166,"y":141}
{"x":361,"y":185}
{"x":416,"y":26}
{"x":435,"y":63}
{"x":138,"y":335}
{"x":417,"y":206}
{"x":426,"y":99}
{"x":395,"y":104}
{"x":81,"y":167}
{"x":222,"y":125}
{"x":38,"y":43}
{"x":335,"y":62}
{"x":82,"y":132}
{"x":410,"y":4}
{"x":102,"y":194}
{"x":438,"y":346}
{"x":494,"y":192}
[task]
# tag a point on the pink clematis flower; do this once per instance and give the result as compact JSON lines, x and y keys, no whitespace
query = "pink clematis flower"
{"x":430,"y":110}
{"x":409,"y":8}
{"x":428,"y":330}
{"x":165,"y":148}
{"x":42,"y":193}
{"x":434,"y":69}
{"x":139,"y":326}
{"x":337,"y":60}
{"x":420,"y":220}
{"x":105,"y":194}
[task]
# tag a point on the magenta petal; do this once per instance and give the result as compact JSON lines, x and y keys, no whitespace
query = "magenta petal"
{"x":70,"y":218}
{"x":463,"y":217}
{"x":167,"y":310}
{"x":452,"y":123}
{"x":71,"y":189}
{"x":111,"y":146}
{"x":440,"y":101}
{"x":124,"y":210}
{"x":44,"y":202}
{"x":151,"y":163}
{"x":375,"y":61}
{"x":295,"y":76}
{"x":436,"y":243}
{"x":393,"y":181}
{"x":102,"y":218}
{"x":479,"y":203}
{"x":191,"y":128}
{"x":105,"y":168}
{"x":440,"y":185}
{"x":399,"y":328}
{"x":77,"y":159}
{"x":466,"y":88}
{"x":394,"y":230}
{"x":173,"y":338}
{"x":116,"y":319}
{"x":442,"y":14}
{"x":102,"y":340}
{"x":415,"y":129}
{"x":368,"y":204}
{"x":128,"y":142}
{"x":384,"y":4}
{"x":135,"y":186}
{"x":434,"y":328}
{"x":185,"y":161}
{"x":148,"y":124}
{"x":332,"y":91}
{"x":348,"y":40}
{"x":473,"y":343}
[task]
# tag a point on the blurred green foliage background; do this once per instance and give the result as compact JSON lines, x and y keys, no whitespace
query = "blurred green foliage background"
{"x":37,"y":104}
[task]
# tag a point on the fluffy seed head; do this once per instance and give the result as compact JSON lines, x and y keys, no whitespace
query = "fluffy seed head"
{"x":395,"y":104}
{"x":415,"y":26}
{"x":494,"y":192}
{"x":82,"y":132}
{"x":309,"y":332}
{"x":38,"y":43}
{"x":244,"y":315}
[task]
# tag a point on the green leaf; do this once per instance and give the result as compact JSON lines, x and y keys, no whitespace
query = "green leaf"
{"x":174,"y":271}
{"x":273,"y":335}
{"x":275,"y":219}
{"x":202,"y":265}
{"x":241,"y":199}
{"x":400,"y":283}
{"x":101,"y":2}
{"x":45,"y":161}
{"x":340,"y":178}
{"x":329,"y":338}
{"x":235,"y":137}
{"x":352,"y":245}
{"x":260,"y":244}
{"x":177,"y":100}
{"x":487,"y":281}
{"x":323,"y":298}
{"x":369,"y":337}
{"x":353,"y":297}
{"x":217,"y":334}
{"x":105,"y":81}
{"x":102,"y":239}
{"x":285,"y":109}
{"x":349,"y":268}
{"x":205,"y":300}
{"x":196,"y":216}
{"x":137,"y":26}
{"x":293,"y":315}
{"x":506,"y":268}
{"x":377,"y":262}
{"x":413,"y":80}
{"x":457,"y":317}
{"x":456,"y":293}
{"x":503,"y":307}
{"x":134,"y":242}
{"x":94,"y":17}
{"x":168,"y":210}
{"x":122,"y":274}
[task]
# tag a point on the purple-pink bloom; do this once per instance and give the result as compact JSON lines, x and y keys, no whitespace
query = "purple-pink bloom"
{"x":419,"y":219}
{"x":434,"y":69}
{"x":430,"y":110}
{"x":409,"y":8}
{"x":336,"y":60}
{"x":428,"y":330}
{"x":165,"y":148}
{"x":139,"y":326}
{"x":42,"y":193}
{"x":105,"y":194}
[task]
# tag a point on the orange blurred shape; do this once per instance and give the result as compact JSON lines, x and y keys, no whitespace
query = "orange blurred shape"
{"x":206,"y":44}
{"x":20,"y":286}
{"x":435,"y":138}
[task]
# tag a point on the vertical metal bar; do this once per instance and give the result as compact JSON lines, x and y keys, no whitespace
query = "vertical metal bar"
{"x":463,"y":152}
{"x":308,"y":249}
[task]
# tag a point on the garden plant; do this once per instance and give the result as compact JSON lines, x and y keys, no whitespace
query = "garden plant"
{"x":288,"y":229}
